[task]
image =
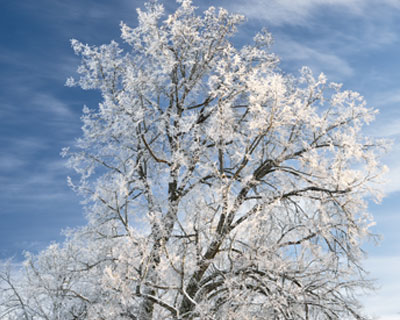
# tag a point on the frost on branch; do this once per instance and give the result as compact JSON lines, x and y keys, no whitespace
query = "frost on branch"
{"x":216,"y":187}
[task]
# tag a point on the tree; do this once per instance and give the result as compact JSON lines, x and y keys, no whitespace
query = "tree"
{"x":216,"y":186}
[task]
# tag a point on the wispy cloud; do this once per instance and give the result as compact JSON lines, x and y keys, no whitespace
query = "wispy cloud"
{"x":47,"y":180}
{"x":75,"y":18}
{"x":384,"y":304}
{"x":393,"y":3}
{"x":10,"y":162}
{"x":34,"y":69}
{"x":386,"y":128}
{"x":393,"y":179}
{"x":18,"y":151}
{"x":317,"y":59}
{"x":49,"y":103}
{"x":388,"y":97}
{"x":279,"y":12}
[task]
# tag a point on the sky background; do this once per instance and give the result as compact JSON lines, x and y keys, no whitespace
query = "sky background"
{"x":354,"y":42}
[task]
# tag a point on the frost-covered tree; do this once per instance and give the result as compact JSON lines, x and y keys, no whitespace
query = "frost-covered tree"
{"x":216,"y":186}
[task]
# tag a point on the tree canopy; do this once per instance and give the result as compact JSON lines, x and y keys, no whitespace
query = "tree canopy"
{"x":216,"y":185}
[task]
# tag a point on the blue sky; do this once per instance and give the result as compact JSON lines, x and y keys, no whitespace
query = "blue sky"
{"x":355,"y":42}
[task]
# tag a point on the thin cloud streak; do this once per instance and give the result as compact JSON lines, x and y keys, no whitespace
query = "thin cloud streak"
{"x":49,"y":103}
{"x":280,"y":12}
{"x":393,"y":179}
{"x":384,"y":303}
{"x":318,"y":60}
{"x":10,"y":162}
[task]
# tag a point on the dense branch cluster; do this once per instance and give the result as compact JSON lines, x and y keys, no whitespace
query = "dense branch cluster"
{"x":216,"y":186}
